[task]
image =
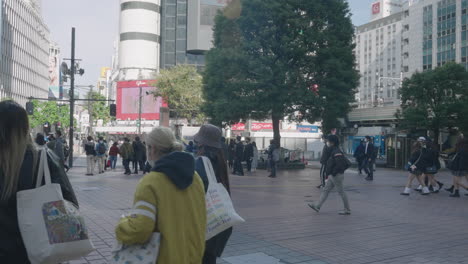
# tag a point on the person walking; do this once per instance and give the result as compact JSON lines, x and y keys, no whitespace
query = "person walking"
{"x":231,"y":154}
{"x":19,"y":163}
{"x":90,"y":150}
{"x":459,"y":167}
{"x":359,"y":155}
{"x":431,"y":171}
{"x":255,"y":156}
{"x":420,"y":159}
{"x":208,"y":139}
{"x":139,"y":155}
{"x":113,"y":152}
{"x":369,"y":158}
{"x":248,"y":154}
{"x":323,"y":161}
{"x":273,"y":157}
{"x":171,"y":201}
{"x":126,"y":152}
{"x":101,"y":151}
{"x":57,"y":145}
{"x":239,"y":156}
{"x":336,"y":166}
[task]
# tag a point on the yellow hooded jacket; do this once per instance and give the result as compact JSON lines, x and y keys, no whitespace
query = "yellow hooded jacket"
{"x":169,"y":200}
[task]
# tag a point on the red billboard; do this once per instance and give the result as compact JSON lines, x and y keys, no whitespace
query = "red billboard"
{"x":128,"y":100}
{"x":261,"y":126}
{"x":376,"y":8}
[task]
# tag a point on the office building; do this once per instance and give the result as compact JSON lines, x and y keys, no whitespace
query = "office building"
{"x":24,"y":49}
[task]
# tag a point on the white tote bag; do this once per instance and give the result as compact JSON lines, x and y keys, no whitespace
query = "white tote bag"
{"x":220,"y":210}
{"x":51,"y":227}
{"x":142,"y":254}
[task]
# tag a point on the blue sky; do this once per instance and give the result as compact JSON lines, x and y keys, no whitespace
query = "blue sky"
{"x":97,"y":23}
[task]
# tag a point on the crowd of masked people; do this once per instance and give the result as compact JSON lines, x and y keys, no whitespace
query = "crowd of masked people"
{"x":424,"y":165}
{"x":173,"y":192}
{"x":99,"y":155}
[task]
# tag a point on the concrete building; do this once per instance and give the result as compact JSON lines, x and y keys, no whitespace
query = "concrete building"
{"x":140,"y":39}
{"x":24,"y":51}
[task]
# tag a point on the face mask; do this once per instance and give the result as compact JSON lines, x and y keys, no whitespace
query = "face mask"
{"x":329,"y":144}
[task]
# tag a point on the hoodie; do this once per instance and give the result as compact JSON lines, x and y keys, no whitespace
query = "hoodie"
{"x":179,"y":167}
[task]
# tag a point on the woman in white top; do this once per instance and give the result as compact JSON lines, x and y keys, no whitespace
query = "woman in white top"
{"x":255,"y":156}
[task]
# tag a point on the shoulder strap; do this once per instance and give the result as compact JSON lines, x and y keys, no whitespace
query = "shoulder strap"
{"x":43,"y":169}
{"x":209,"y":170}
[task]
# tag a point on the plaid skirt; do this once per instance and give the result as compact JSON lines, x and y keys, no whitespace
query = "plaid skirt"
{"x":459,"y":173}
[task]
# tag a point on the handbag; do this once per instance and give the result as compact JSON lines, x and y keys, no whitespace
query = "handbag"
{"x":145,"y":254}
{"x":452,"y":162}
{"x":220,"y":210}
{"x":52,"y":228}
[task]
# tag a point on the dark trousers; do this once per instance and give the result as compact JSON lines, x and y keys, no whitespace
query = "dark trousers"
{"x":126,"y":164}
{"x":249,"y":164}
{"x":323,"y":176}
{"x":209,"y":258}
{"x":369,"y":168}
{"x":140,"y":163}
{"x":273,"y":168}
{"x":361,"y":164}
{"x":238,"y":167}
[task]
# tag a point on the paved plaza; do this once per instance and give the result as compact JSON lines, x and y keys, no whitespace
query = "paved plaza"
{"x":384,"y":226}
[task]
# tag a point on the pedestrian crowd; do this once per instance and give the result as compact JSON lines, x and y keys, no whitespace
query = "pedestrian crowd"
{"x":170,"y":200}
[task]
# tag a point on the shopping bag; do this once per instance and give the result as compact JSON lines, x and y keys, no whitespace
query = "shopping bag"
{"x":220,"y":210}
{"x":51,"y":227}
{"x":143,"y":254}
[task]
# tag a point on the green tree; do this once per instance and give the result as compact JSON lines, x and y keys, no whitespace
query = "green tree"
{"x":50,"y":111}
{"x":435,"y":99}
{"x":265,"y":63}
{"x":181,"y":88}
{"x":99,"y":110}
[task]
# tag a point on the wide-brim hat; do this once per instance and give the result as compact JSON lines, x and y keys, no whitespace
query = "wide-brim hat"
{"x":210,"y":136}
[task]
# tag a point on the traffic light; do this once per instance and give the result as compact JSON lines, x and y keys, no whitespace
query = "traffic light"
{"x":30,"y":108}
{"x":113,"y":110}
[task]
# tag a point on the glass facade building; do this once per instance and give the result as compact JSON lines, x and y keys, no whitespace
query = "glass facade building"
{"x":446,"y":31}
{"x":174,"y":36}
{"x":427,"y":37}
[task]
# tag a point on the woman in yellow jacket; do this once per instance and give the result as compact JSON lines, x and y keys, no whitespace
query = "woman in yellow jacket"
{"x":169,"y":200}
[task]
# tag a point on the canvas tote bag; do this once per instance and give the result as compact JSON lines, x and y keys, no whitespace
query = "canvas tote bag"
{"x":52,"y":228}
{"x":220,"y":210}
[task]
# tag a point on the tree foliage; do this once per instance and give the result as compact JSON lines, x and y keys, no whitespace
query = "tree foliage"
{"x":435,"y":99}
{"x":265,"y":62}
{"x":50,"y":111}
{"x":181,"y":88}
{"x":98,"y":110}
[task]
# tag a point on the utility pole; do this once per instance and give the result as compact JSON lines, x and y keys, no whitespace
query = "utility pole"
{"x":72,"y":99}
{"x":90,"y":111}
{"x":139,"y":112}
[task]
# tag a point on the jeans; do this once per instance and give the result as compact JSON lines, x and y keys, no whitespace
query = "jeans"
{"x":113,"y":160}
{"x":273,"y":168}
{"x":126,"y":164}
{"x":90,"y":162}
{"x":334,"y":181}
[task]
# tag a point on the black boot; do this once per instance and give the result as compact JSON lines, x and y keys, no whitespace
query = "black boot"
{"x":450,"y":189}
{"x":440,"y":185}
{"x":455,"y":194}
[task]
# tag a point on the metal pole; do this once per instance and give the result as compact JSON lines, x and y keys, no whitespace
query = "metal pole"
{"x":139,"y":113}
{"x":72,"y":98}
{"x":90,"y":111}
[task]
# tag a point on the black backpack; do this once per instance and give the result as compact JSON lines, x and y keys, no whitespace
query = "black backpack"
{"x":102,"y":149}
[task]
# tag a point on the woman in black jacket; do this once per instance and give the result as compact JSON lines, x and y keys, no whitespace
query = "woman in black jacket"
{"x":208,"y":140}
{"x":421,"y":158}
{"x":459,"y":167}
{"x":18,"y":170}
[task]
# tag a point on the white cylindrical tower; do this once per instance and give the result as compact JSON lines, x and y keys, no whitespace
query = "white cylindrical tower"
{"x":140,"y":39}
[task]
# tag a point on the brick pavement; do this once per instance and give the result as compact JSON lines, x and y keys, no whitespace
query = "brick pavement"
{"x":384,"y":227}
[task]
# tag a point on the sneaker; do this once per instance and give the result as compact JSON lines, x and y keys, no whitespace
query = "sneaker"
{"x":314,"y":207}
{"x":319,"y":186}
{"x":344,"y":212}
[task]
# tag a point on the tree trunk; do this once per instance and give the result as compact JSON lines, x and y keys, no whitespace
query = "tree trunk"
{"x":276,"y":129}
{"x":436,"y":136}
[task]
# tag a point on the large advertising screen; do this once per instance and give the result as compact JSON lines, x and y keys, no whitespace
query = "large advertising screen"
{"x":128,"y":100}
{"x":54,"y":76}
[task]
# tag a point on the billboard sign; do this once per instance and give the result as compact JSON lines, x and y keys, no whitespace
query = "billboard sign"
{"x":54,"y":76}
{"x":238,"y":127}
{"x":128,"y":100}
{"x":376,"y":8}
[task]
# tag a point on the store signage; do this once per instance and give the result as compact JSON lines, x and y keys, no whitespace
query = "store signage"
{"x":261,"y":126}
{"x":238,"y":127}
{"x":308,"y":129}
